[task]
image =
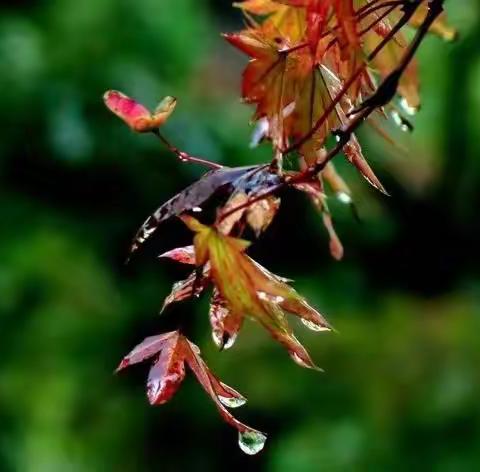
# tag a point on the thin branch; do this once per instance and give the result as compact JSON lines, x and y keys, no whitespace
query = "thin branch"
{"x":183,"y":156}
{"x":379,"y":19}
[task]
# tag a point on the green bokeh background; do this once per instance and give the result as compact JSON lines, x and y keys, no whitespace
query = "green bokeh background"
{"x":402,"y":381}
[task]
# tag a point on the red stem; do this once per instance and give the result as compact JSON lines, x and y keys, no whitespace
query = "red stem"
{"x":183,"y":156}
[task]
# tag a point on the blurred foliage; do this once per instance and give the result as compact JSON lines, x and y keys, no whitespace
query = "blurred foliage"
{"x":402,"y":382}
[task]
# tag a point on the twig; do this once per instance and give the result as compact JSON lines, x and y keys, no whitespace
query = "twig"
{"x":183,"y":156}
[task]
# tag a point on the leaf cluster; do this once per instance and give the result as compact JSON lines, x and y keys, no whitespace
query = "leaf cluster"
{"x":317,"y":70}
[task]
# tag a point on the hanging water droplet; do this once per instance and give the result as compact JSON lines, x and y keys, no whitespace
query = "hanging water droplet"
{"x":344,"y":197}
{"x":232,"y":402}
{"x":229,"y":341}
{"x":402,"y":122}
{"x":408,"y":109}
{"x":314,"y":326}
{"x":251,"y":442}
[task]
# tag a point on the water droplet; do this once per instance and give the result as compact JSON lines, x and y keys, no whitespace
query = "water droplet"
{"x":344,"y":197}
{"x":251,"y":442}
{"x":196,"y":209}
{"x":408,"y":109}
{"x":402,"y":122}
{"x":229,"y":341}
{"x":314,"y":326}
{"x":270,"y":298}
{"x":232,"y":402}
{"x":262,"y":295}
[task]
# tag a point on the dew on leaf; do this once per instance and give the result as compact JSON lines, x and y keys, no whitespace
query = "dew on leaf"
{"x":314,"y":326}
{"x":232,"y":402}
{"x":270,"y":298}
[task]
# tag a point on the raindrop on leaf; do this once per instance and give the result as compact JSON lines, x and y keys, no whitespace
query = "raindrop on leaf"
{"x":314,"y":326}
{"x":232,"y":402}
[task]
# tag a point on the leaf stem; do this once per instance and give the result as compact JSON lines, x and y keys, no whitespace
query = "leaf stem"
{"x":183,"y":156}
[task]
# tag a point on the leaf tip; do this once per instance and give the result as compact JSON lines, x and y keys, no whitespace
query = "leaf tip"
{"x":123,"y":365}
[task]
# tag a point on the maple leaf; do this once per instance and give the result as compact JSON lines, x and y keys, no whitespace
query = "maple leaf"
{"x":171,"y":351}
{"x":292,"y":94}
{"x":289,"y":90}
{"x":387,"y":59}
{"x":282,"y":84}
{"x":225,"y":323}
{"x":439,"y":27}
{"x":250,"y":290}
{"x":192,"y":286}
{"x":258,"y":214}
{"x":135,"y":115}
{"x":190,"y":198}
{"x":184,"y":255}
{"x":315,"y":192}
{"x":266,"y":80}
{"x":352,"y":149}
{"x":318,"y":69}
{"x":249,"y":180}
{"x":273,"y":294}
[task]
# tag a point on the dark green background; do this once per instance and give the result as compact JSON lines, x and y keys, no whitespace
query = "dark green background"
{"x":402,"y":381}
